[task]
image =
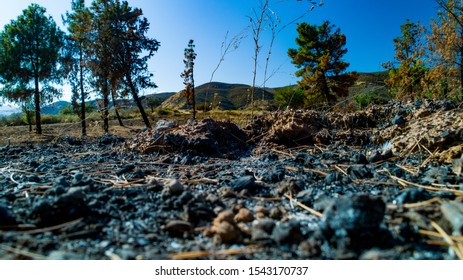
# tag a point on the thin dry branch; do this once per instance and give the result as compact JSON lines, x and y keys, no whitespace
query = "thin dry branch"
{"x":305,"y":207}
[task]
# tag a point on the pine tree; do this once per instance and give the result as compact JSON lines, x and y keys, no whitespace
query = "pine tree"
{"x":188,"y":78}
{"x":79,"y":24}
{"x":320,"y":64}
{"x":30,"y":51}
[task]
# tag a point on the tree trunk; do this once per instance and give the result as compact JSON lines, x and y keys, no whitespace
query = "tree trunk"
{"x":115,"y":107}
{"x":106,"y":107}
{"x":193,"y":101}
{"x":82,"y":95}
{"x":38,"y":121}
{"x":138,"y":101}
{"x":326,"y":90}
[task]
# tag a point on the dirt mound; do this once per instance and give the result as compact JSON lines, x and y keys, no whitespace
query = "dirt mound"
{"x":205,"y":137}
{"x":440,"y":133}
{"x":301,"y":127}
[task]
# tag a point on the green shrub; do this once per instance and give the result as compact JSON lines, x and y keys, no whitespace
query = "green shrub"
{"x":290,"y":97}
{"x":12,"y":120}
{"x":377,"y":96}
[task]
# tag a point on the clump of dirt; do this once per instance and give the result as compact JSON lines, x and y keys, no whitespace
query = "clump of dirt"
{"x":204,"y":137}
{"x":440,"y":132}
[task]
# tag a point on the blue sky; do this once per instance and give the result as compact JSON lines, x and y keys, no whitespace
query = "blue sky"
{"x":369,"y":25}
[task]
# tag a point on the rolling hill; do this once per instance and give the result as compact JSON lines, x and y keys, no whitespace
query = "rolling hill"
{"x":235,"y":96}
{"x":219,"y":95}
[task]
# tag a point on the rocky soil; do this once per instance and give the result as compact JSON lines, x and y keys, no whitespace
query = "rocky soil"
{"x":384,"y":183}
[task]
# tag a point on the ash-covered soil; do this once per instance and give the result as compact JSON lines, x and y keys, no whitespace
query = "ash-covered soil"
{"x":384,"y":183}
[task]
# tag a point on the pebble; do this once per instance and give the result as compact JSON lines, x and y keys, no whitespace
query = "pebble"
{"x":227,"y":233}
{"x":178,"y":228}
{"x":244,"y":215}
{"x":287,"y":233}
{"x":245,"y":183}
{"x":398,"y":120}
{"x":174,"y":187}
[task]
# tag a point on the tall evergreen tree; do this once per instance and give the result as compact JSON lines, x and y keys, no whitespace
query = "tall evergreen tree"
{"x":320,"y":64}
{"x":131,"y":50}
{"x":101,"y":62}
{"x":31,"y":49}
{"x":79,"y":24}
{"x":188,"y":78}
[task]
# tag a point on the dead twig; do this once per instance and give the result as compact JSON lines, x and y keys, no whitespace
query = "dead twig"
{"x":199,"y":254}
{"x":48,"y":229}
{"x":417,"y":204}
{"x":457,"y":248}
{"x":305,"y":207}
{"x":21,"y":252}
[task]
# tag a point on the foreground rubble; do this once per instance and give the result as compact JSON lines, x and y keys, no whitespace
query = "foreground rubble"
{"x":295,"y":185}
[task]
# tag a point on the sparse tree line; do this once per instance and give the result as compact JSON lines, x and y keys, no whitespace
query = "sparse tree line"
{"x":105,"y":50}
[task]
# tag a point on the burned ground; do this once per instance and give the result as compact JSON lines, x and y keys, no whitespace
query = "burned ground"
{"x":384,"y":183}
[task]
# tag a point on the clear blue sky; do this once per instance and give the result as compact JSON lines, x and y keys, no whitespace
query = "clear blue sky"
{"x":370,"y":26}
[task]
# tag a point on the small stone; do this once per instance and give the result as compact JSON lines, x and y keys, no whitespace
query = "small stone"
{"x":226,"y":216}
{"x":244,"y":183}
{"x":174,"y":187}
{"x":164,"y":125}
{"x":359,"y":172}
{"x":275,"y":213}
{"x":61,"y":181}
{"x":287,"y":233}
{"x":228,"y":233}
{"x":261,"y":209}
{"x":260,"y":215}
{"x":244,"y":215}
{"x":359,"y":158}
{"x":265,"y":225}
{"x":398,"y":120}
{"x":178,"y":228}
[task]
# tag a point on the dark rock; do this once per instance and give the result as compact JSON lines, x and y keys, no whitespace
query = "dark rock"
{"x":61,"y":181}
{"x":42,"y":168}
{"x":359,"y":172}
{"x":245,"y":183}
{"x":353,"y":223}
{"x":359,"y":158}
{"x":178,"y":228}
{"x":265,"y":224}
{"x":287,"y":233}
{"x":412,"y":196}
{"x":174,"y":187}
{"x":7,"y":217}
{"x":33,"y":178}
{"x":398,"y":120}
